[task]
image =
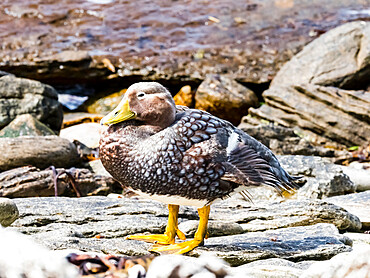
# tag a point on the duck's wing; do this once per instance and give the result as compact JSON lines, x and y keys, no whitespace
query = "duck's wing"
{"x":252,"y":163}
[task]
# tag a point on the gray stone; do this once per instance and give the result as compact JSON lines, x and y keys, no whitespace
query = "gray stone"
{"x":291,"y":213}
{"x":224,"y":97}
{"x":215,"y":228}
{"x":271,"y":268}
{"x":323,"y":179}
{"x":25,"y":125}
{"x":8,"y":212}
{"x":357,"y":204}
{"x":21,"y":257}
{"x":100,"y":224}
{"x":354,"y":264}
{"x":316,"y":242}
{"x":23,"y":96}
{"x":38,"y":151}
{"x":340,"y":57}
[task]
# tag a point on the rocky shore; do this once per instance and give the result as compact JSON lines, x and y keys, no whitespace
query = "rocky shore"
{"x":302,"y":89}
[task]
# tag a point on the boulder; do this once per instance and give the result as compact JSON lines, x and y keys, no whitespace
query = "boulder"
{"x":22,"y":257}
{"x":224,"y":97}
{"x":346,"y":265}
{"x":340,"y":58}
{"x":360,"y":177}
{"x":32,"y":182}
{"x":8,"y":212}
{"x":185,"y":97}
{"x":106,"y":104}
{"x":38,"y":151}
{"x":320,"y":112}
{"x":323,"y":179}
{"x":86,"y":133}
{"x":282,"y":140}
{"x":357,"y":204}
{"x":25,"y":125}
{"x":23,"y":96}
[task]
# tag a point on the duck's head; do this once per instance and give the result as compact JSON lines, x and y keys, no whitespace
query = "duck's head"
{"x":148,"y":102}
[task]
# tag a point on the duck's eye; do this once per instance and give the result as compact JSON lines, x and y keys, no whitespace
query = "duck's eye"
{"x":140,"y":95}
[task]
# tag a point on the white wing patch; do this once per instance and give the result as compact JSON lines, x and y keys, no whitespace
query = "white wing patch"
{"x":232,"y":144}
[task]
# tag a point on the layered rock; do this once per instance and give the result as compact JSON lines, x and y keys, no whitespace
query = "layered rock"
{"x":32,"y":182}
{"x":23,"y":96}
{"x":301,"y":94}
{"x":339,"y":115}
{"x":100,"y":224}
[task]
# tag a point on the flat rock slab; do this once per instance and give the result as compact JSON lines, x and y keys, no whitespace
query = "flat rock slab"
{"x":100,"y":224}
{"x":357,"y":204}
{"x":316,"y":242}
{"x":162,"y":40}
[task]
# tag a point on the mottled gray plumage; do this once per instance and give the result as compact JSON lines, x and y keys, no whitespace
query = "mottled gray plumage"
{"x":198,"y":156}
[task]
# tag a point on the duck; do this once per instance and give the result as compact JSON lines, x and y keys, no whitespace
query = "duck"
{"x":182,"y":157}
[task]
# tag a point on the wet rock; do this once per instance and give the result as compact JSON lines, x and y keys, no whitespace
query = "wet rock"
{"x":340,"y":58}
{"x":106,"y":104}
{"x":265,"y":216}
{"x":282,"y":140}
{"x":224,"y":97}
{"x":71,"y":119}
{"x":25,"y":125}
{"x":350,"y":265}
{"x":274,"y":268}
{"x":21,"y":257}
{"x":23,"y":96}
{"x":38,"y":151}
{"x":357,"y":204}
{"x":316,"y":242}
{"x":320,"y":112}
{"x":185,"y":97}
{"x":86,"y":133}
{"x":183,"y":267}
{"x":239,"y":38}
{"x":8,"y":212}
{"x":323,"y":179}
{"x":32,"y":182}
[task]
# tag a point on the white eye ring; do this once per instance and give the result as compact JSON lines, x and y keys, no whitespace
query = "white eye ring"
{"x":140,"y":95}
